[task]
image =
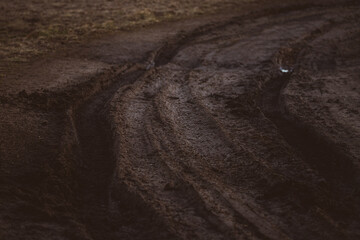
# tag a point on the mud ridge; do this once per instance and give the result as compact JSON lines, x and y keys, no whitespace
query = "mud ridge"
{"x":96,"y":158}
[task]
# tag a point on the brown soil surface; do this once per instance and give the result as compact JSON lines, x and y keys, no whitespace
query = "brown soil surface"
{"x":238,"y":125}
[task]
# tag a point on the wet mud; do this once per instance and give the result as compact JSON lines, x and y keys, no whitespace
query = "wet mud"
{"x":239,"y":126}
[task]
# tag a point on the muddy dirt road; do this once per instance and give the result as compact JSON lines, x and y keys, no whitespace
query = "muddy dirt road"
{"x":234,"y":126}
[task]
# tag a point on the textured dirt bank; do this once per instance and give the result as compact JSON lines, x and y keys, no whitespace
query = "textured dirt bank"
{"x":235,"y":126}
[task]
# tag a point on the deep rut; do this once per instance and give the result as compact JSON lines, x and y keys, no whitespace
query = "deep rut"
{"x":319,"y":152}
{"x":97,"y":167}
